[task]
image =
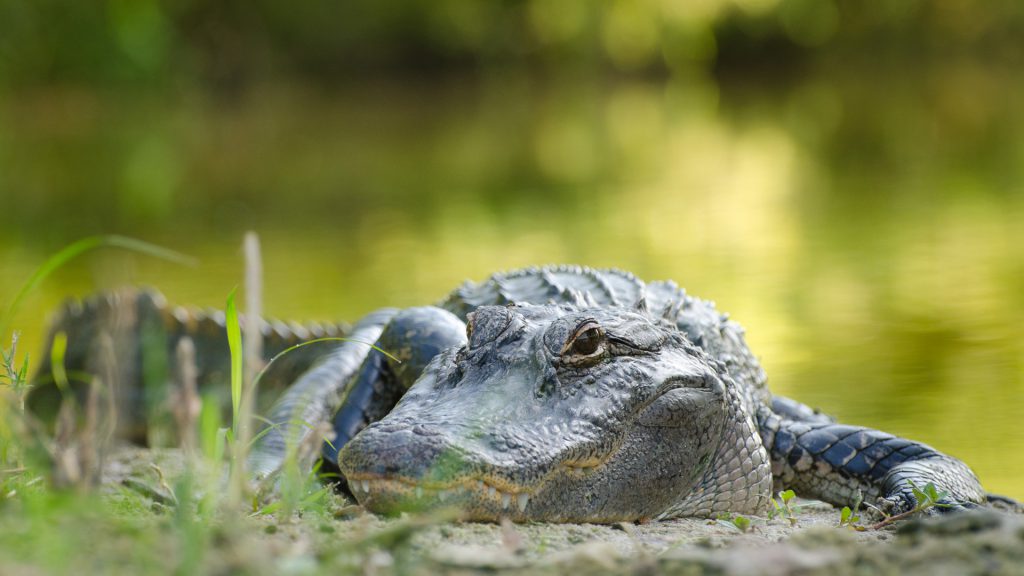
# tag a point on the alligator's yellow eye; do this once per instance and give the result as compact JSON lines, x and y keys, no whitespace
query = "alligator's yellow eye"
{"x":587,"y":340}
{"x":587,"y":343}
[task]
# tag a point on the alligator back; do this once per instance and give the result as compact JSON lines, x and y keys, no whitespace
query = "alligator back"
{"x":129,"y":339}
{"x":706,"y":327}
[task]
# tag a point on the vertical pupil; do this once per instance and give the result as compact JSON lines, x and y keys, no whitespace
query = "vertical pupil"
{"x":587,"y":342}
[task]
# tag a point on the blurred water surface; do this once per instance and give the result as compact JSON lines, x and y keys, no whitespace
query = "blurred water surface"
{"x":863,"y":225}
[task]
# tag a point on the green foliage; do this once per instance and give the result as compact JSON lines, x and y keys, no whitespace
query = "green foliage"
{"x":11,"y":373}
{"x":153,"y":345}
{"x":925,"y":497}
{"x":928,"y":496}
{"x":210,"y":431}
{"x":193,"y":531}
{"x":781,"y":507}
{"x":74,"y":250}
{"x":297,"y":490}
{"x":141,"y":40}
{"x":239,"y":452}
{"x":14,"y":373}
{"x":291,"y":349}
{"x":57,"y":352}
{"x":234,"y":330}
{"x":742,"y":523}
{"x":848,"y":516}
{"x":737,"y":522}
{"x":159,"y":525}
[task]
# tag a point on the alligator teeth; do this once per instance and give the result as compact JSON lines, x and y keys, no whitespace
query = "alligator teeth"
{"x":521,"y":500}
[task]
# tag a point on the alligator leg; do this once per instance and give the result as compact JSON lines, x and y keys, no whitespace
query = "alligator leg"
{"x":413,"y":337}
{"x":315,"y":395}
{"x":840,"y":464}
{"x":356,"y":384}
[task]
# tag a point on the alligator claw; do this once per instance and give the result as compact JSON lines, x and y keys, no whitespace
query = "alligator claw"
{"x":903,"y":501}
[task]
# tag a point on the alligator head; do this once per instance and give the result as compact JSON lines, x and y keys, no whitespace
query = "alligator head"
{"x":557,"y":413}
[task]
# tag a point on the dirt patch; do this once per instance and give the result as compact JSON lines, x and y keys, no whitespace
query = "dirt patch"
{"x":348,"y":539}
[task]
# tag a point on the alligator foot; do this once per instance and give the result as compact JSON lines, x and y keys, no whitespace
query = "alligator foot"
{"x":934,"y":485}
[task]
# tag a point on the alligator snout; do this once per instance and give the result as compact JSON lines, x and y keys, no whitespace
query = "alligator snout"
{"x":395,"y":467}
{"x":414,"y":453}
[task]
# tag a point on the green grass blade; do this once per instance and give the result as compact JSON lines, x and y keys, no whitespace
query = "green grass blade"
{"x":77,"y":248}
{"x":57,"y":352}
{"x":263,"y":419}
{"x":148,"y":249}
{"x":262,"y":433}
{"x":314,"y":341}
{"x":23,"y":372}
{"x":223,"y":438}
{"x":209,"y":425}
{"x":235,"y":345}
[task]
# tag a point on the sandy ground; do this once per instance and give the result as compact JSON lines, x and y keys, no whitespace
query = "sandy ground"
{"x":981,"y":542}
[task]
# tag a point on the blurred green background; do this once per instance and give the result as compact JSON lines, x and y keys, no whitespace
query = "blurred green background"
{"x":845,"y":178}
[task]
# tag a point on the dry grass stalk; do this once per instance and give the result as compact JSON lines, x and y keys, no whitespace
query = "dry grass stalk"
{"x":67,"y":471}
{"x":252,"y":353}
{"x":79,"y":447}
{"x":185,"y":402}
{"x":252,"y":339}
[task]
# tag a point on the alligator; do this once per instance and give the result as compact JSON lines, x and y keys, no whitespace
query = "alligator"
{"x":564,"y":394}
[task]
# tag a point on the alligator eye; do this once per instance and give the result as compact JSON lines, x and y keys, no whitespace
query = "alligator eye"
{"x":587,"y":340}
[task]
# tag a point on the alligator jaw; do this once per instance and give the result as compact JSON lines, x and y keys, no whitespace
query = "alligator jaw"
{"x":486,"y":498}
{"x":564,"y":420}
{"x":478,"y":499}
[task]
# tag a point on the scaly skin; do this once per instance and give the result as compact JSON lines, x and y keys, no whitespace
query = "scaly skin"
{"x":724,"y":460}
{"x":572,"y":394}
{"x":129,"y":337}
{"x":643,"y":427}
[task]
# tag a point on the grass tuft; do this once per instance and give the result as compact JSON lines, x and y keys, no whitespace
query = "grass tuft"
{"x":182,"y":520}
{"x":234,"y":330}
{"x":78,"y":248}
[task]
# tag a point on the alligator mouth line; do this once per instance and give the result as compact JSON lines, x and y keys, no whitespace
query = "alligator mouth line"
{"x":471,"y":488}
{"x":468,"y":488}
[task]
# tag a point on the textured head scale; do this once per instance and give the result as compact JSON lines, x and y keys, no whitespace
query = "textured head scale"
{"x":556,"y":412}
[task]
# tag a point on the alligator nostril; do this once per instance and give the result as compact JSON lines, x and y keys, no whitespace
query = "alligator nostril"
{"x":422,"y":430}
{"x":485,"y":324}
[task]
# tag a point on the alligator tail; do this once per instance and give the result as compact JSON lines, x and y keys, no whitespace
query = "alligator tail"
{"x":843,"y":465}
{"x":1004,"y":501}
{"x":129,"y":337}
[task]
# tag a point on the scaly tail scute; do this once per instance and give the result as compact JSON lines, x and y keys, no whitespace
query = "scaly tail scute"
{"x":129,"y":337}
